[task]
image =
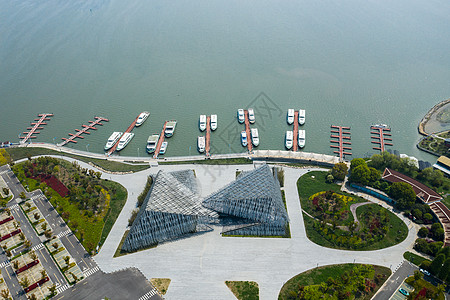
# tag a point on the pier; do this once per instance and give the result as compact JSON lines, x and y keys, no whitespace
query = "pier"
{"x":36,"y":126}
{"x":92,"y":124}
{"x":247,"y":131}
{"x":381,"y":135}
{"x":338,"y":136}
{"x":160,"y":141}
{"x":208,"y":135}
{"x":295,"y":141}
{"x":128,"y":130}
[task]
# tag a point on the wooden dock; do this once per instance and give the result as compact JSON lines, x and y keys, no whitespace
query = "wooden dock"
{"x":128,"y":130}
{"x":92,"y":124}
{"x":381,"y":135}
{"x":247,"y":130}
{"x":338,"y":135}
{"x":295,"y":141}
{"x":208,"y":136}
{"x":36,"y":125}
{"x":160,"y":141}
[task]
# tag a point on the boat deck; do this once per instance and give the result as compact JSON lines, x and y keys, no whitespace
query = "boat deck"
{"x":247,"y":130}
{"x":160,"y":141}
{"x":208,"y":136}
{"x":295,"y":141}
{"x":85,"y":129}
{"x":341,"y":140}
{"x":36,"y":125}
{"x":382,"y":135}
{"x":111,"y":151}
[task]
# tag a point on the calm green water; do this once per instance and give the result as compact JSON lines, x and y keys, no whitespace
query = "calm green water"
{"x":347,"y":63}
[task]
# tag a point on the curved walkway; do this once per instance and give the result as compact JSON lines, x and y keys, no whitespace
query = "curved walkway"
{"x":353,"y":208}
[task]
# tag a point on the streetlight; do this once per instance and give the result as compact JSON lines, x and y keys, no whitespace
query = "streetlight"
{"x":87,"y":147}
{"x":138,"y":151}
{"x":189,"y":150}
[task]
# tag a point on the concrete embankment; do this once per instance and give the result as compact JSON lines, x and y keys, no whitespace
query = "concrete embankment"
{"x":427,"y":117}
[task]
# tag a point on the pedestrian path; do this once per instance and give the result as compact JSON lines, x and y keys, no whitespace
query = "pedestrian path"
{"x":38,"y":247}
{"x":4,"y":172}
{"x":62,"y":288}
{"x":149,"y":295}
{"x":5,"y":264}
{"x":91,"y":271}
{"x":64,"y":233}
{"x":15,"y":206}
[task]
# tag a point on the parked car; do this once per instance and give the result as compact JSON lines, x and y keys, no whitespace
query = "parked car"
{"x":403,"y":291}
{"x":425,"y":272}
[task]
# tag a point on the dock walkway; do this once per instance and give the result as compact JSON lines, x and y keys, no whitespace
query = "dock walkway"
{"x":341,"y":140}
{"x":295,"y":141}
{"x":382,"y":135}
{"x":126,"y":131}
{"x":160,"y":141}
{"x":247,"y":130}
{"x":92,"y":124}
{"x":36,"y":125}
{"x":208,"y":135}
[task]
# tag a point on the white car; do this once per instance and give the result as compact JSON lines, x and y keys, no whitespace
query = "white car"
{"x":425,"y":272}
{"x":240,"y":115}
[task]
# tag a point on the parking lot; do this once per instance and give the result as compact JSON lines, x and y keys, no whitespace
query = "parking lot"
{"x":399,"y":296}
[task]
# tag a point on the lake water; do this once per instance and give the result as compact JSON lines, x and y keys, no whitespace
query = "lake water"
{"x":347,"y":63}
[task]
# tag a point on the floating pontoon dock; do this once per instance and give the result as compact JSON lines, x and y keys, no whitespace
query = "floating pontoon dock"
{"x":341,"y":140}
{"x":85,"y":129}
{"x":160,"y":141}
{"x":247,"y":131}
{"x":36,"y":126}
{"x":381,"y":134}
{"x":295,"y":141}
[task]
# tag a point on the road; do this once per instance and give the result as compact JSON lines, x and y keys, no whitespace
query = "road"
{"x":405,"y":270}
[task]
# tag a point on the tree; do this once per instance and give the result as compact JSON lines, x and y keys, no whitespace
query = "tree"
{"x":357,"y":162}
{"x":16,"y":264}
{"x":32,"y":297}
{"x":22,"y":236}
{"x":444,"y":273}
{"x":436,"y":264}
{"x":6,"y":191}
{"x":339,"y":171}
{"x":375,"y":175}
{"x":418,"y":275}
{"x":44,"y":226}
{"x":67,"y":259}
{"x":43,"y":274}
{"x":33,"y":255}
{"x":25,"y":282}
{"x":55,"y":245}
{"x":5,"y":294}
{"x":52,"y":290}
{"x":403,"y":193}
{"x":22,"y":195}
{"x":423,"y":232}
{"x":329,"y":178}
{"x":360,"y":174}
{"x":27,"y":244}
{"x":36,"y":216}
{"x":75,"y":278}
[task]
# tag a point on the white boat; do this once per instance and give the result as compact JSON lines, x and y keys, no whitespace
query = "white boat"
{"x":112,"y":140}
{"x":301,"y":138}
{"x":381,"y":126}
{"x":141,"y":118}
{"x":213,"y":122}
{"x":163,"y":148}
{"x":290,"y":116}
{"x":289,"y":139}
{"x":152,"y":141}
{"x":255,"y":137}
{"x":202,"y":122}
{"x":170,"y":128}
{"x":124,"y":140}
{"x":244,"y":138}
{"x":301,"y":116}
{"x":240,"y":115}
{"x":201,"y":144}
{"x":251,"y":115}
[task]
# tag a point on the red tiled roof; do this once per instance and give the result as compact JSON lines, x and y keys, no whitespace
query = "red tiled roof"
{"x":426,"y":194}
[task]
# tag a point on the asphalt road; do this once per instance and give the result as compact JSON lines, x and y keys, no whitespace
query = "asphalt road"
{"x":393,"y":283}
{"x":11,"y":180}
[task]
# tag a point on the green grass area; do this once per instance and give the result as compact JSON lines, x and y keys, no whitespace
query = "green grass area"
{"x":111,"y":166}
{"x":334,"y":237}
{"x":414,"y":258}
{"x":322,"y":274}
{"x":224,"y":161}
{"x":244,"y":290}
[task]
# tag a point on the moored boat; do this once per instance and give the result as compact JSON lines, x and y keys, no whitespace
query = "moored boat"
{"x":141,"y":118}
{"x":301,"y":138}
{"x":301,"y":116}
{"x":124,"y":140}
{"x":251,"y":115}
{"x":255,"y":137}
{"x":289,"y":139}
{"x":163,"y":148}
{"x":290,"y":116}
{"x":170,"y":128}
{"x":213,"y":122}
{"x":244,"y":138}
{"x":201,"y":144}
{"x":112,"y":140}
{"x":240,"y":115}
{"x":202,"y":123}
{"x":152,"y":141}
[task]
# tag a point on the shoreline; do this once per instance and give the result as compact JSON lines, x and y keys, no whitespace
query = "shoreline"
{"x":426,"y":118}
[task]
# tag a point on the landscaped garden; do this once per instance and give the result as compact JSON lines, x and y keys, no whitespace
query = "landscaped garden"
{"x":244,"y":290}
{"x":329,"y":221}
{"x":91,"y":205}
{"x":424,"y":289}
{"x":345,"y":281}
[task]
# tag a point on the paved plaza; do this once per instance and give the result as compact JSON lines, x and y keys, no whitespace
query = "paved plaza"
{"x":199,"y":265}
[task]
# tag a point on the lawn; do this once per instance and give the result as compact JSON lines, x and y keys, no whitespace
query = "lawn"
{"x":111,"y":166}
{"x":317,"y":276}
{"x":386,"y":228}
{"x":223,"y":161}
{"x":244,"y":290}
{"x":414,"y":258}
